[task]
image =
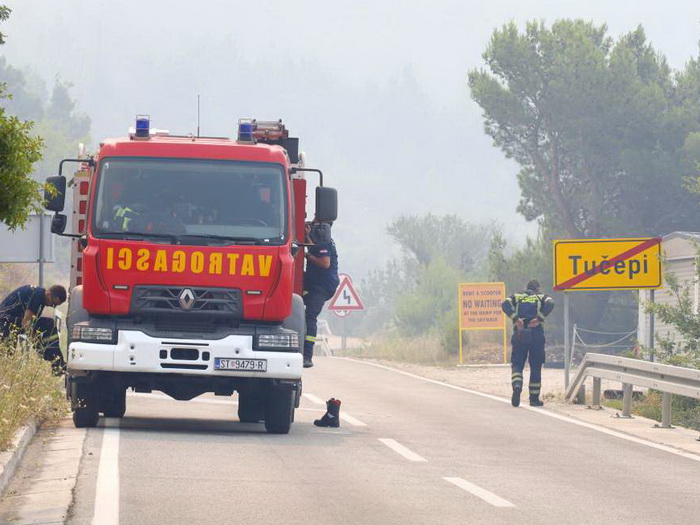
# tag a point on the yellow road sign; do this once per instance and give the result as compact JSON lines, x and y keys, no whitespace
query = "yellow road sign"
{"x":480,"y":309}
{"x":607,"y":264}
{"x":480,"y":306}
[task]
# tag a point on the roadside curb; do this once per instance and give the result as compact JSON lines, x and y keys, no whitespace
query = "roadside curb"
{"x":677,"y":437}
{"x":10,"y":459}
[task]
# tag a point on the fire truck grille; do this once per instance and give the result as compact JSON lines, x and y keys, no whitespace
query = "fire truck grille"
{"x":178,"y":299}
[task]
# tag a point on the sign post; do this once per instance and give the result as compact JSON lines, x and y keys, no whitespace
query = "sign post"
{"x":567,"y":341}
{"x":603,"y":264}
{"x":480,"y":309}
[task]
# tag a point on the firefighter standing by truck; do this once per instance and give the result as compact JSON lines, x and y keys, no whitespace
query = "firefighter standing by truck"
{"x":320,"y":280}
{"x":528,"y":311}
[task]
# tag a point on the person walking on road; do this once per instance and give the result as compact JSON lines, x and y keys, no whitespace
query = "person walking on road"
{"x":528,"y":311}
{"x":320,"y":280}
{"x":21,"y":306}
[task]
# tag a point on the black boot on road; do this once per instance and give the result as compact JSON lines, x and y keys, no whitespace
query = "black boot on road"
{"x":332,"y":416}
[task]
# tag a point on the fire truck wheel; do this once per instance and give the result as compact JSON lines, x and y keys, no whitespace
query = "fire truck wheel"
{"x":251,"y":408}
{"x":85,"y":405}
{"x":114,"y":403}
{"x":279,"y":411}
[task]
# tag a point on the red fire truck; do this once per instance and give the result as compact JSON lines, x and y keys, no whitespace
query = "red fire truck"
{"x":186,"y":272}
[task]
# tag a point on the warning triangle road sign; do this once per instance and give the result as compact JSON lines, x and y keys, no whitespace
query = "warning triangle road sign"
{"x":346,"y":297}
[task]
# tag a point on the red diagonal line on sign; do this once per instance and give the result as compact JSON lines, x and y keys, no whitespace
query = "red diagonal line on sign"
{"x":623,"y":256}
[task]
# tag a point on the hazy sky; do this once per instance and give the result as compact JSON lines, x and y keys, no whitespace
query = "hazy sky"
{"x":376,"y":90}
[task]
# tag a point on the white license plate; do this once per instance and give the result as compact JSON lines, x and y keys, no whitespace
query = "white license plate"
{"x":240,"y":365}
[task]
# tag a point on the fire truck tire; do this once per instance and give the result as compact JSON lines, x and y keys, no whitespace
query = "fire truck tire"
{"x":85,"y":402}
{"x":114,"y":403}
{"x":297,"y":320}
{"x":279,"y":411}
{"x":76,"y":312}
{"x":251,"y":408}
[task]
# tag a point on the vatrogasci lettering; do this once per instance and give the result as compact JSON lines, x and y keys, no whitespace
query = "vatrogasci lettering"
{"x":606,"y":265}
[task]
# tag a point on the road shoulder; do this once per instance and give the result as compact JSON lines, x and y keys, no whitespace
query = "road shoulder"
{"x":11,"y":459}
{"x":42,"y":488}
{"x":496,"y":381}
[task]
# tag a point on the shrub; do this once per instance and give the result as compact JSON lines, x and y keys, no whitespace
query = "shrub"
{"x":28,"y":389}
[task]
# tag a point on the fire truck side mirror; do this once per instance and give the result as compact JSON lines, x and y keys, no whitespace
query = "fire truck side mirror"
{"x":326,"y":204}
{"x":58,"y":223}
{"x":55,"y":193}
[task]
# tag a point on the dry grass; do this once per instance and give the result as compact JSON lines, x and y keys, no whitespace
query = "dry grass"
{"x":685,"y":411}
{"x":28,"y":389}
{"x":424,"y":350}
{"x":428,"y":350}
{"x":483,"y":347}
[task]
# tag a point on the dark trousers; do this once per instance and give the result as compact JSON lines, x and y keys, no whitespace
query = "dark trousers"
{"x":314,"y":299}
{"x":533,"y":352}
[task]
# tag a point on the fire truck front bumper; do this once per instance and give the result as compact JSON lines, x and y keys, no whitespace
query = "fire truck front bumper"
{"x":232,"y":356}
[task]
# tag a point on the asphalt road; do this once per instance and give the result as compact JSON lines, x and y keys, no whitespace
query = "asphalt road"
{"x":411,"y":451}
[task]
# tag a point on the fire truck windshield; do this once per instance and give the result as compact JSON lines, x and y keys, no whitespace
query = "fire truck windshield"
{"x":191,"y":201}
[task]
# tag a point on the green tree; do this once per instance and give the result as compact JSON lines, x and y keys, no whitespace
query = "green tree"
{"x":26,"y":100}
{"x":19,"y":150}
{"x":417,"y":292}
{"x":596,"y":126}
{"x":4,"y":15}
{"x":423,"y":238}
{"x":683,"y":350}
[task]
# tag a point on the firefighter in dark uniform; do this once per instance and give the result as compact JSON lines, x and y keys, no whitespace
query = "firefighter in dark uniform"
{"x":320,"y":280}
{"x":20,"y":307}
{"x":528,"y":311}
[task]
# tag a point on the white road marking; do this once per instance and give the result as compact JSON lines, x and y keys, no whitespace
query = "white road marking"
{"x":400,"y":449}
{"x":107,"y":490}
{"x":353,"y":421}
{"x":345,"y":417}
{"x":314,"y":399}
{"x":488,"y":497}
{"x":603,"y":430}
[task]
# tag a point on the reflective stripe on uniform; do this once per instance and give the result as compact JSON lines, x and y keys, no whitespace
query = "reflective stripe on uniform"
{"x":125,"y":214}
{"x":310,"y":338}
{"x":537,"y":299}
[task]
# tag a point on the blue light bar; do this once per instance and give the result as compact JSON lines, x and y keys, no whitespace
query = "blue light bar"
{"x":245,"y":130}
{"x":143,"y":125}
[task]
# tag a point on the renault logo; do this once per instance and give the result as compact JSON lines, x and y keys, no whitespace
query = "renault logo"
{"x":186,"y":299}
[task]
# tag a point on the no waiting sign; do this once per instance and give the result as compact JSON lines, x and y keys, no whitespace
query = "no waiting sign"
{"x":607,"y":264}
{"x":480,"y":306}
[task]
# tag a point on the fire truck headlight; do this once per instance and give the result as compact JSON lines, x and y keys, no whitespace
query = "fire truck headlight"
{"x":284,"y":342}
{"x":92,"y":334}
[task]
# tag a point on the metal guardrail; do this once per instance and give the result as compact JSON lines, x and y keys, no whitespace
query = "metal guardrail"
{"x":666,"y":378}
{"x":325,"y":346}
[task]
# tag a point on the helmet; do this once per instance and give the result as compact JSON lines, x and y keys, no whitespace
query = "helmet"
{"x":320,"y":232}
